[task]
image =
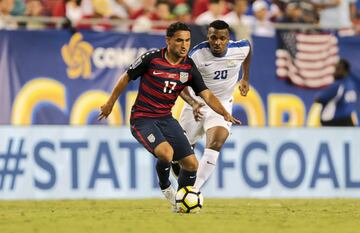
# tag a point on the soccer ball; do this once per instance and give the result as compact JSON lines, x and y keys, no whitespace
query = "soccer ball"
{"x":189,"y":200}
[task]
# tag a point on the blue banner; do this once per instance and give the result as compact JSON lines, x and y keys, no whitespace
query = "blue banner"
{"x":58,"y":77}
{"x":57,"y":162}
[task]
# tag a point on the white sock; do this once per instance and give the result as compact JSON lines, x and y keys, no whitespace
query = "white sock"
{"x":206,"y":167}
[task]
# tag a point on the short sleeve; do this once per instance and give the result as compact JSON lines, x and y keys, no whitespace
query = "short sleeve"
{"x":197,"y":82}
{"x":139,"y":67}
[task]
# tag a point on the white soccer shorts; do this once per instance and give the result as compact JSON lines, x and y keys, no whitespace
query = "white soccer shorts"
{"x":196,"y":129}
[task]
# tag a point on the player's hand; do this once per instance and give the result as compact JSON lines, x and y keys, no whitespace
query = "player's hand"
{"x":197,"y":111}
{"x":105,"y":111}
{"x":228,"y":117}
{"x":243,"y":87}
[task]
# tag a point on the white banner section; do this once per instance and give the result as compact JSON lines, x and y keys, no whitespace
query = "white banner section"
{"x":61,"y":162}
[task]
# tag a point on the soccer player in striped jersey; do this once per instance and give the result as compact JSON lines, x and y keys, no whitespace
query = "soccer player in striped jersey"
{"x":164,"y":74}
{"x":219,"y":61}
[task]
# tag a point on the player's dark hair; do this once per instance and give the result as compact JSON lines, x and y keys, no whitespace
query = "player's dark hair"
{"x":345,"y":64}
{"x":177,"y":26}
{"x":342,"y":69}
{"x":219,"y":25}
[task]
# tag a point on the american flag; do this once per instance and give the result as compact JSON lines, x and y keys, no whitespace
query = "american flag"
{"x":307,"y":59}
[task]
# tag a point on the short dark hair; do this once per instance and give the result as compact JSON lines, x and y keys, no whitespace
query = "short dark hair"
{"x":177,"y":26}
{"x":345,"y":64}
{"x":219,"y":25}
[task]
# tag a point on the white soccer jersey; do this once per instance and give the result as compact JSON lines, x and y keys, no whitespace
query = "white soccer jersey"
{"x":220,"y":74}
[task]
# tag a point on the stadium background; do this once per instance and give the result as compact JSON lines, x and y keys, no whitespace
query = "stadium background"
{"x":81,"y":69}
{"x":51,"y":146}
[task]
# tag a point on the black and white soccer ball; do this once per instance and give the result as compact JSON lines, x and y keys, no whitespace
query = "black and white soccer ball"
{"x":189,"y":200}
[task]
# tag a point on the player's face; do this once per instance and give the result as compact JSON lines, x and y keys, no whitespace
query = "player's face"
{"x":218,"y":40}
{"x":179,"y":44}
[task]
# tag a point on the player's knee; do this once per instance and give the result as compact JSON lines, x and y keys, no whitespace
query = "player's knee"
{"x":195,"y":166}
{"x":166,"y":156}
{"x":191,"y":165}
{"x":164,"y":153}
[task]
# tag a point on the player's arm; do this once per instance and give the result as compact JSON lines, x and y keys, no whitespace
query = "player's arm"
{"x":185,"y":95}
{"x":135,"y":70}
{"x":120,"y":86}
{"x":196,"y":106}
{"x":216,"y":105}
{"x":244,"y":81}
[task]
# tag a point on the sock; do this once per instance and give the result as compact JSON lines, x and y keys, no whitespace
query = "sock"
{"x":175,"y":167}
{"x":186,"y":178}
{"x":206,"y":167}
{"x":163,"y":172}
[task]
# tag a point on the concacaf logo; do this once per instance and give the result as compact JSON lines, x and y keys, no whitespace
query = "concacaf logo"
{"x":77,"y":56}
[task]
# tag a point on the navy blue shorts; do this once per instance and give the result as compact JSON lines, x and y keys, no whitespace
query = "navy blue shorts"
{"x":150,"y":132}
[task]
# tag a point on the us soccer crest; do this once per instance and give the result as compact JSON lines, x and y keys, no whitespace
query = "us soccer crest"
{"x":184,"y":77}
{"x":151,"y":138}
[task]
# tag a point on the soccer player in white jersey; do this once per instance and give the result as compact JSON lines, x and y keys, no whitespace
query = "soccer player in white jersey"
{"x":219,"y":61}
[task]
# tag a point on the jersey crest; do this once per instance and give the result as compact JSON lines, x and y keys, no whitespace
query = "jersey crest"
{"x":231,"y":64}
{"x":184,"y":77}
{"x":151,"y":138}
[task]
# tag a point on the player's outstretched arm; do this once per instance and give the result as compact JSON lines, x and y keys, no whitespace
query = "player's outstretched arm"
{"x":216,"y":105}
{"x":244,"y":81}
{"x":120,"y":86}
{"x":185,"y":95}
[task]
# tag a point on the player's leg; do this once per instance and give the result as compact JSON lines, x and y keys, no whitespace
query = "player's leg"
{"x":193,"y":131}
{"x":215,"y":138}
{"x":183,"y":152}
{"x":147,"y":132}
{"x":217,"y":131}
{"x":175,"y":169}
{"x":188,"y":170}
{"x":164,"y":152}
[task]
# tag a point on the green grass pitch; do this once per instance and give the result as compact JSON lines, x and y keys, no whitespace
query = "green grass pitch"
{"x":154,"y":215}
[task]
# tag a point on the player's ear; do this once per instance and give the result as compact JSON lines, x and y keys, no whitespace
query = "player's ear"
{"x":208,"y":35}
{"x":167,"y":40}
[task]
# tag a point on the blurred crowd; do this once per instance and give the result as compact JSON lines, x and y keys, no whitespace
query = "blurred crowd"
{"x":256,"y":17}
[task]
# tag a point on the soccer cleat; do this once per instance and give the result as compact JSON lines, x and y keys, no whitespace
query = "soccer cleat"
{"x":170,"y":194}
{"x":175,"y":169}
